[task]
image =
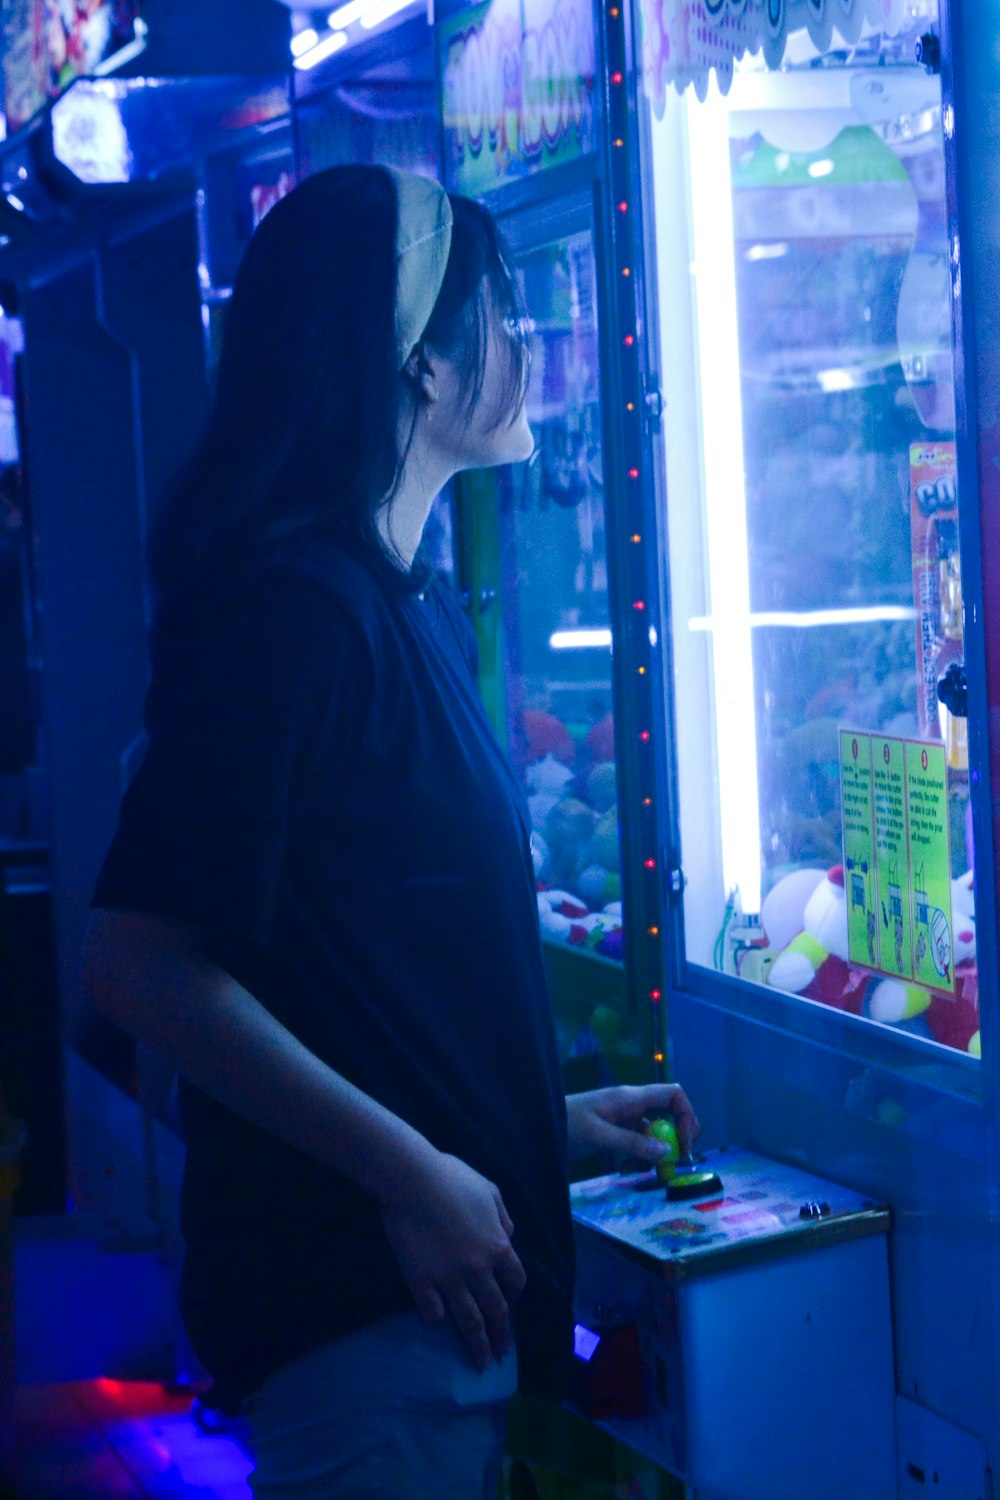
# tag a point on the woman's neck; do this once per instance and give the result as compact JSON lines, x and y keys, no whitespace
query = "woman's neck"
{"x":425,"y":473}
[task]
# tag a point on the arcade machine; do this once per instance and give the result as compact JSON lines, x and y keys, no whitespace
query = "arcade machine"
{"x":810,"y":265}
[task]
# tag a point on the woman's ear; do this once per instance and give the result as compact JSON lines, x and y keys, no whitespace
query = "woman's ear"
{"x":420,"y":370}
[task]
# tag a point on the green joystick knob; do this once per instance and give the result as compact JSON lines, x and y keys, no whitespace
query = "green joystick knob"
{"x":665,"y":1131}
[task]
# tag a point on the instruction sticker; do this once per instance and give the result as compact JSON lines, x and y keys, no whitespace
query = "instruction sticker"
{"x":930,"y":866}
{"x":892,"y":856}
{"x":859,"y":846}
{"x":897,"y":859}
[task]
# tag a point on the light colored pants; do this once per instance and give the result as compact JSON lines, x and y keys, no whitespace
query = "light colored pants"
{"x":394,"y":1412}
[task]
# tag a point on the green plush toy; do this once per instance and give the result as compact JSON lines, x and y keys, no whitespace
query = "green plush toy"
{"x":604,"y":849}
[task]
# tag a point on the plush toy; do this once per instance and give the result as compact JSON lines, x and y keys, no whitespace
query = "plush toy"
{"x":612,"y":945}
{"x":568,"y":831}
{"x":604,"y":847}
{"x":954,"y":1019}
{"x":546,"y":781}
{"x":557,"y":911}
{"x":825,"y":915}
{"x":589,"y":931}
{"x":599,"y":881}
{"x":564,"y":918}
{"x":815,"y":962}
{"x":892,"y":1001}
{"x":602,"y":786}
{"x":804,"y":918}
{"x":784,"y":906}
{"x":542,"y":734}
{"x":600,"y":740}
{"x":598,"y":885}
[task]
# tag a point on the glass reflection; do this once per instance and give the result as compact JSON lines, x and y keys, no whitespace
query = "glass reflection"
{"x":556,"y":623}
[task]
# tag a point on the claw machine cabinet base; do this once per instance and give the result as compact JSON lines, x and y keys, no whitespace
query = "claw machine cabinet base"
{"x":743,"y":1341}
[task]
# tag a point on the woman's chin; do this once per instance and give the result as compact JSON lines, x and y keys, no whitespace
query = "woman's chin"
{"x":522,"y":442}
{"x":510,"y":444}
{"x":525,"y":450}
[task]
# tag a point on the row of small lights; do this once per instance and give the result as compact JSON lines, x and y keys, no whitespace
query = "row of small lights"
{"x":309,"y":48}
{"x":632,"y":387}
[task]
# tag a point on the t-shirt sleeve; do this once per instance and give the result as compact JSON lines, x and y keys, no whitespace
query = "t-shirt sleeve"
{"x":234,"y":739}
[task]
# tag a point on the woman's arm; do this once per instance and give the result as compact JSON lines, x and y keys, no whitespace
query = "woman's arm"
{"x":148,"y":974}
{"x":447,"y":1225}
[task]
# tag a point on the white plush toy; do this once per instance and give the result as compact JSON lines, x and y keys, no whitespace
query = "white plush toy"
{"x":546,"y":781}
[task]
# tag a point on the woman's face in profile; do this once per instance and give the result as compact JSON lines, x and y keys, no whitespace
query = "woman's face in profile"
{"x":491,"y":433}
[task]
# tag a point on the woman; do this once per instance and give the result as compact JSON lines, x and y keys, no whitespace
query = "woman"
{"x":320,"y":901}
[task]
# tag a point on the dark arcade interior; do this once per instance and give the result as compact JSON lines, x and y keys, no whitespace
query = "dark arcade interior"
{"x":738,"y":630}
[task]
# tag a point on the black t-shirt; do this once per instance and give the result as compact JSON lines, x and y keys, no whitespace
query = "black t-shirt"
{"x":323,"y":792}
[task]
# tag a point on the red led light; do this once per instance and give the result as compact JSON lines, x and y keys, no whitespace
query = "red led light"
{"x":617,"y":78}
{"x":650,"y":864}
{"x":633,"y":473}
{"x":639,"y":604}
{"x":623,"y":207}
{"x":629,"y":340}
{"x":655,"y":995}
{"x":645,"y":736}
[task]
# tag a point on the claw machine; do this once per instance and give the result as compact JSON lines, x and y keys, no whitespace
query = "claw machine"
{"x":542,"y":547}
{"x":811,"y":263}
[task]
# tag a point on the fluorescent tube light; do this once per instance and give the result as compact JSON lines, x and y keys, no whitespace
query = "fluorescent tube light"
{"x":324,"y":49}
{"x":807,"y":619}
{"x":346,"y":15}
{"x":303,"y":40}
{"x":717,"y":323}
{"x":577,"y":640}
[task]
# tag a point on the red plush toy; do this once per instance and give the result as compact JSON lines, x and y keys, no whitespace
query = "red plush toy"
{"x":954,"y":1019}
{"x":543,"y":734}
{"x":600,"y":740}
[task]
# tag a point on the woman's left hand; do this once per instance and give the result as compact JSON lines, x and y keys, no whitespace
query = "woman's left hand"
{"x":614,"y":1120}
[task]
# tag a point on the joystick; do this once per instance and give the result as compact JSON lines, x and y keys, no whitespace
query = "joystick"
{"x":685,"y":1184}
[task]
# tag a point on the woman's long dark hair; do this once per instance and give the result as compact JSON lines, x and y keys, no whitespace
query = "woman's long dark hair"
{"x":309,"y":403}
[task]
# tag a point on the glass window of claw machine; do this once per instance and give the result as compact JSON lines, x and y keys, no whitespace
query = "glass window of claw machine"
{"x":520,"y":114}
{"x":796,"y":196}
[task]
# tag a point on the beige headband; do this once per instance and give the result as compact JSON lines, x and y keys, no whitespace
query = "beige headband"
{"x":423,"y":240}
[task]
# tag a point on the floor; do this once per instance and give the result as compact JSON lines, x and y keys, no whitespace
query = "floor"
{"x":102,"y":1440}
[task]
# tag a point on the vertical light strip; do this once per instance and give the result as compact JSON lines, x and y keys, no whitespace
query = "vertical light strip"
{"x":725,"y":493}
